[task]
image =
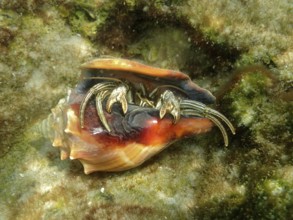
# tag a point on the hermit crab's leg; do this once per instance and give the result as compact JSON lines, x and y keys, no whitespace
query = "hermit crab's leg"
{"x":95,"y":90}
{"x":142,"y":96}
{"x":194,"y":108}
{"x":213,"y":119}
{"x":99,"y":100}
{"x":144,"y":102}
{"x":168,"y":103}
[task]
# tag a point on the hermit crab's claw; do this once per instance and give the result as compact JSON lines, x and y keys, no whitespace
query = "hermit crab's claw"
{"x":116,"y":92}
{"x":194,"y":108}
{"x":119,"y":94}
{"x":168,"y":103}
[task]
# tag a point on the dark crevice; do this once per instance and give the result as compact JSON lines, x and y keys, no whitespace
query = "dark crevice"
{"x":126,"y":26}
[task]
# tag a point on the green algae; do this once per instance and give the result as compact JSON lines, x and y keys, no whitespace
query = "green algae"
{"x":255,"y":105}
{"x":158,"y":48}
{"x":27,"y":67}
{"x":86,"y":17}
{"x":249,"y":92}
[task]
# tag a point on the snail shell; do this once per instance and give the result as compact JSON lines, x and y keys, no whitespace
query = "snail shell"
{"x":136,"y":135}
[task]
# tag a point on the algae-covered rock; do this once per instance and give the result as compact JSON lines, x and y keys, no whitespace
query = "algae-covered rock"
{"x":239,"y":50}
{"x":164,"y":47}
{"x":39,"y":65}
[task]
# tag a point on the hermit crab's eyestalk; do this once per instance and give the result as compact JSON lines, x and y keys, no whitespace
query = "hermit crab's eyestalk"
{"x":123,"y":112}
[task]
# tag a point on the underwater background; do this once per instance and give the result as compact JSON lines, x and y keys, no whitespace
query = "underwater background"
{"x":241,"y":51}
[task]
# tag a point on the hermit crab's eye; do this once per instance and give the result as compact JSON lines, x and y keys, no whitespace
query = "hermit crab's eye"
{"x":123,"y":112}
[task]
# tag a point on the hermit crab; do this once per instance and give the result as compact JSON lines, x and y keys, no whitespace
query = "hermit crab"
{"x":123,"y":112}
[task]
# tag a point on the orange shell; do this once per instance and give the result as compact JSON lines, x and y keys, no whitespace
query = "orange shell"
{"x":128,"y":65}
{"x":139,"y":134}
{"x":138,"y":73}
{"x":98,"y":152}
